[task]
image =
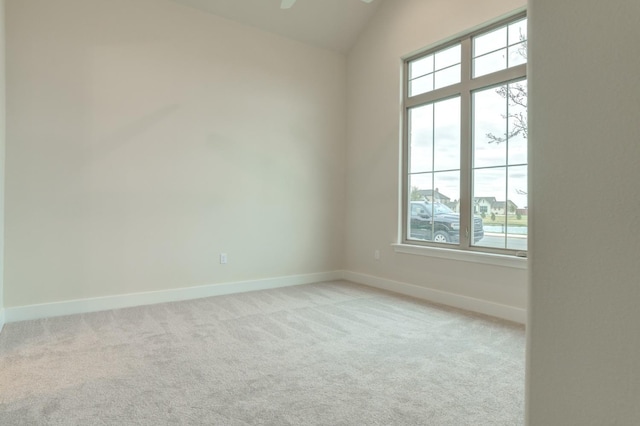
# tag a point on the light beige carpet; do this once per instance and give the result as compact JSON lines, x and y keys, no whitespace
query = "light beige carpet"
{"x":322,"y":354}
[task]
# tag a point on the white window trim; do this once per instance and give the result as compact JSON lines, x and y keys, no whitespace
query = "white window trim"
{"x":507,"y":261}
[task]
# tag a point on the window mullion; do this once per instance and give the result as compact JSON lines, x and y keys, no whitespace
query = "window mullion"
{"x":465,"y":147}
{"x":433,"y":96}
{"x":404,"y":195}
{"x":498,"y":77}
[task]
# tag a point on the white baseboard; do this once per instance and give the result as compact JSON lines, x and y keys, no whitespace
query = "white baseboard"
{"x":510,"y":313}
{"x":81,"y":306}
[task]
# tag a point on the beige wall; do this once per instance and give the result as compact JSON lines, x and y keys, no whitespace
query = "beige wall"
{"x":2,"y":155}
{"x":146,"y":137}
{"x":374,"y":71}
{"x":584,"y":338}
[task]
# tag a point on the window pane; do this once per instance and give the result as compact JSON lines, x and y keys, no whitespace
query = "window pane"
{"x":517,"y":223}
{"x":446,"y":221}
{"x":517,"y":122}
{"x":421,"y":85}
{"x":489,"y":189}
{"x":447,"y":185}
{"x":432,"y":212}
{"x":489,"y":42}
{"x":500,"y":49}
{"x":421,"y":139}
{"x":518,"y":32}
{"x":420,"y":185}
{"x":419,"y":226}
{"x":489,"y":63}
{"x":447,"y":134}
{"x":421,"y":67}
{"x":448,"y":57}
{"x":447,"y":64}
{"x":448,"y":76}
{"x":517,"y":54}
{"x":489,"y":127}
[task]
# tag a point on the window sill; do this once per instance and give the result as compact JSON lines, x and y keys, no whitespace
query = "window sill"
{"x":464,"y":256}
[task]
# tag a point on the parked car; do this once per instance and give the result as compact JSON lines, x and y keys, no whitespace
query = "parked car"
{"x":438,"y":223}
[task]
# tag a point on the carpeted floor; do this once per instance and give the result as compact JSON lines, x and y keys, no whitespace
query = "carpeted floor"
{"x":322,"y":354}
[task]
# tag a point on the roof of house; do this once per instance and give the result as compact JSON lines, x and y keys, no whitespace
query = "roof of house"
{"x":489,"y":199}
{"x":433,"y":193}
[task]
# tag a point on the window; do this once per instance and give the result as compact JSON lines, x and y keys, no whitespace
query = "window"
{"x":465,"y":144}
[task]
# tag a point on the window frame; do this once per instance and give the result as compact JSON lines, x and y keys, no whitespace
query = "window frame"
{"x":465,"y":90}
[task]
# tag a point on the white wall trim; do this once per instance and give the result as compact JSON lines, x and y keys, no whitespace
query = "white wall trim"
{"x":462,"y":255}
{"x":81,"y":306}
{"x":2,"y":319}
{"x":507,"y":312}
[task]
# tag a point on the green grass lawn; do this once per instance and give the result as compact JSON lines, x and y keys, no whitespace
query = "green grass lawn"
{"x":513,"y":220}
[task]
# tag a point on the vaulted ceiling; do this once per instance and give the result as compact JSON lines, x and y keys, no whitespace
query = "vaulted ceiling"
{"x":332,"y":24}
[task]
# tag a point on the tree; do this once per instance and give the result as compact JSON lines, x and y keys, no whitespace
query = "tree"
{"x":516,"y":96}
{"x":415,"y":196}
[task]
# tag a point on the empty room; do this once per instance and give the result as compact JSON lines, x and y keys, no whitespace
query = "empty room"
{"x":319,"y":212}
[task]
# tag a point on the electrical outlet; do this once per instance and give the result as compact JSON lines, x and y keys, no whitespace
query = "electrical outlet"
{"x":376,"y":254}
{"x":223,"y":258}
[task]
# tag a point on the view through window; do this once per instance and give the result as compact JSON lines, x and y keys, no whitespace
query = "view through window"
{"x":465,"y":142}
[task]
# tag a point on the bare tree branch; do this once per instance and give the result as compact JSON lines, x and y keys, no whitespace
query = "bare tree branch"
{"x":516,"y":96}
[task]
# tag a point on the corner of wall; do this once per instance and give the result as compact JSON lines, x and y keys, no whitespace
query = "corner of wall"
{"x":2,"y":319}
{"x":2,"y":156}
